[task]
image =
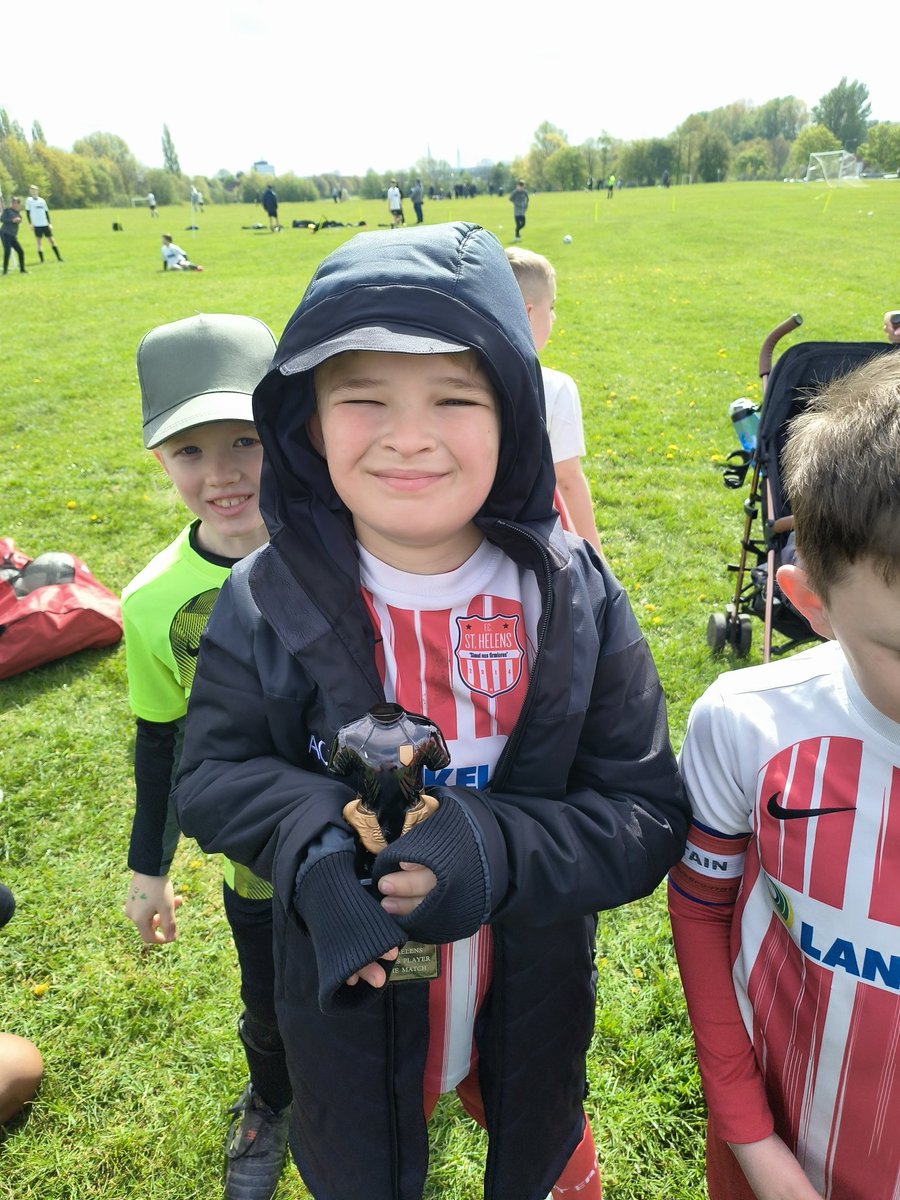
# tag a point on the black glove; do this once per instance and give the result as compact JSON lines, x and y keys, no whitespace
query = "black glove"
{"x":446,"y":843}
{"x":347,"y":926}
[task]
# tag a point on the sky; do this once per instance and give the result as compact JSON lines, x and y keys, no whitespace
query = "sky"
{"x":315,"y":88}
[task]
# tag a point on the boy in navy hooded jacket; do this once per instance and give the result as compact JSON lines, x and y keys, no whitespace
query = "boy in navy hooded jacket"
{"x":416,"y":557}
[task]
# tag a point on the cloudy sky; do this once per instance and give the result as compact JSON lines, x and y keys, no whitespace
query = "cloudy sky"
{"x":345,"y":86}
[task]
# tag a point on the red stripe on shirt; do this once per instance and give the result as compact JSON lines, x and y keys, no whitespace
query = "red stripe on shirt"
{"x":833,"y":831}
{"x":789,"y":995}
{"x":863,"y":1143}
{"x":885,"y":901}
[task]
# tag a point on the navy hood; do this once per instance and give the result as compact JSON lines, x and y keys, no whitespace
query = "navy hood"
{"x":451,"y":283}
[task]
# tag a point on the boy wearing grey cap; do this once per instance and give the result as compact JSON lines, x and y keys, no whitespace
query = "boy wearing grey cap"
{"x":197,"y":377}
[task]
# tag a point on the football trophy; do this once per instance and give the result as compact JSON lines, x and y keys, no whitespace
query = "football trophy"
{"x":383,"y":755}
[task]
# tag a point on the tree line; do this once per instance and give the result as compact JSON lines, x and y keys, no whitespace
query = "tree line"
{"x":738,"y":141}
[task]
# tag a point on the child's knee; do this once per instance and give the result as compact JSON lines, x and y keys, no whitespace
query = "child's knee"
{"x":21,"y":1070}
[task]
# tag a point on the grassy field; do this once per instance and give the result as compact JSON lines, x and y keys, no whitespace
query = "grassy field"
{"x":664,"y":298}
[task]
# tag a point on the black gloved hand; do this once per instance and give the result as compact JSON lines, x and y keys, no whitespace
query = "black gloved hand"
{"x":348,"y":929}
{"x":446,"y":843}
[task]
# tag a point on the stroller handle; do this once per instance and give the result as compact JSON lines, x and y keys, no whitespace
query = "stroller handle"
{"x":765,"y":353}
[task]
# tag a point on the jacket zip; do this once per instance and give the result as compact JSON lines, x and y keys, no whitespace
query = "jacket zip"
{"x":512,"y":744}
{"x":392,"y":1113}
{"x":500,"y":775}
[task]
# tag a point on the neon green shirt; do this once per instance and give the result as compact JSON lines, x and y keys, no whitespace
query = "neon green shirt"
{"x":164,"y":611}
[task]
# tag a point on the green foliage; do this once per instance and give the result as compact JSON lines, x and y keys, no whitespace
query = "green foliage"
{"x":751,"y":160}
{"x":140,"y":1049}
{"x":565,"y":170}
{"x":713,"y":156}
{"x":845,"y":110}
{"x":882,"y":146}
{"x":812,"y":140}
{"x":170,"y":157}
{"x":643,"y":162}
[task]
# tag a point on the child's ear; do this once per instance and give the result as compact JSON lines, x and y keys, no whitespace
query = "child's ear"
{"x":158,"y":455}
{"x":794,"y":582}
{"x":314,"y":429}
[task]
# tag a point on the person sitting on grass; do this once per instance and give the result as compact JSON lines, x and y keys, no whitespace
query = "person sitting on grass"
{"x":174,"y":258}
{"x":786,"y":906}
{"x":416,"y":558}
{"x":197,"y":377}
{"x":21,"y":1065}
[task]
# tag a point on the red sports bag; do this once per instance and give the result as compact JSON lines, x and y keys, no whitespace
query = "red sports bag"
{"x":50,"y":607}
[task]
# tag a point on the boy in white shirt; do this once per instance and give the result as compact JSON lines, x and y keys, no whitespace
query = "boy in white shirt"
{"x":537,"y":281}
{"x":786,"y":905}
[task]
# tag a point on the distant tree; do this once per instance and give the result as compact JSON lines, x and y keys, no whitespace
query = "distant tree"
{"x":15,"y":156}
{"x":37,"y":134}
{"x":779,"y":153}
{"x":784,"y":116}
{"x":687,"y":142}
{"x":811,"y":140}
{"x":881,"y":149}
{"x":170,"y":158}
{"x":114,"y":148}
{"x":565,"y":169}
{"x":713,"y":156}
{"x":738,"y":121}
{"x":10,"y":128}
{"x":607,"y":147}
{"x":643,"y":162}
{"x":845,"y":111}
{"x":372,"y":187}
{"x":166,"y":187}
{"x":499,"y":174}
{"x":751,"y":160}
{"x":548,"y":138}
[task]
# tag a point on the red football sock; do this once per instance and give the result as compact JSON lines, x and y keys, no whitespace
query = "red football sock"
{"x":580,"y":1179}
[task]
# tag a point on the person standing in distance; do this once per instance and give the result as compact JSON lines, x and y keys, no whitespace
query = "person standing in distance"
{"x":10,"y":220}
{"x":519,"y":198}
{"x":39,"y":219}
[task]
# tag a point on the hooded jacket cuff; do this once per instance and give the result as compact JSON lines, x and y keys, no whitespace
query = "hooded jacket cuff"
{"x":348,"y":929}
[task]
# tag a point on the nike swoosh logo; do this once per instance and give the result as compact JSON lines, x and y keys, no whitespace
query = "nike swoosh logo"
{"x":775,"y":810}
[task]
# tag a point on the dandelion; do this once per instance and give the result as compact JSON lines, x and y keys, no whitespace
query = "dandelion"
{"x":94,"y":517}
{"x":196,"y":864}
{"x":39,"y":989}
{"x":71,"y":504}
{"x":638,"y":973}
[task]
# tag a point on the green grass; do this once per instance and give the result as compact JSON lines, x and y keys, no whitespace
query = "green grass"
{"x":664,"y":298}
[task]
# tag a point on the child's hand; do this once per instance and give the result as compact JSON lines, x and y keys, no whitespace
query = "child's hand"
{"x":373,"y":973}
{"x":405,"y":889}
{"x":152,"y":905}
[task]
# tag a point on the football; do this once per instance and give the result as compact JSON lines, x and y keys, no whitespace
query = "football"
{"x":567,"y":238}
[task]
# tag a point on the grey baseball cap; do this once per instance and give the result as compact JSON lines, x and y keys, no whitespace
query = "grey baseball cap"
{"x":204,"y":368}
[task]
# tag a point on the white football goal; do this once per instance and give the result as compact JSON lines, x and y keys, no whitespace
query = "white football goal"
{"x":832,"y":167}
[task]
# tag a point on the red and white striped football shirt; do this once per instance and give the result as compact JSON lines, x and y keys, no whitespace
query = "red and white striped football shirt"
{"x":457,"y":647}
{"x":793,"y":755}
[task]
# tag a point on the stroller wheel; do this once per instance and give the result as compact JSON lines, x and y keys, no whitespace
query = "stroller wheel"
{"x":744,"y":636}
{"x":717,"y":632}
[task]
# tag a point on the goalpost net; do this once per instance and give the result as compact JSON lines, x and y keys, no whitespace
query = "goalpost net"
{"x":832,"y":167}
